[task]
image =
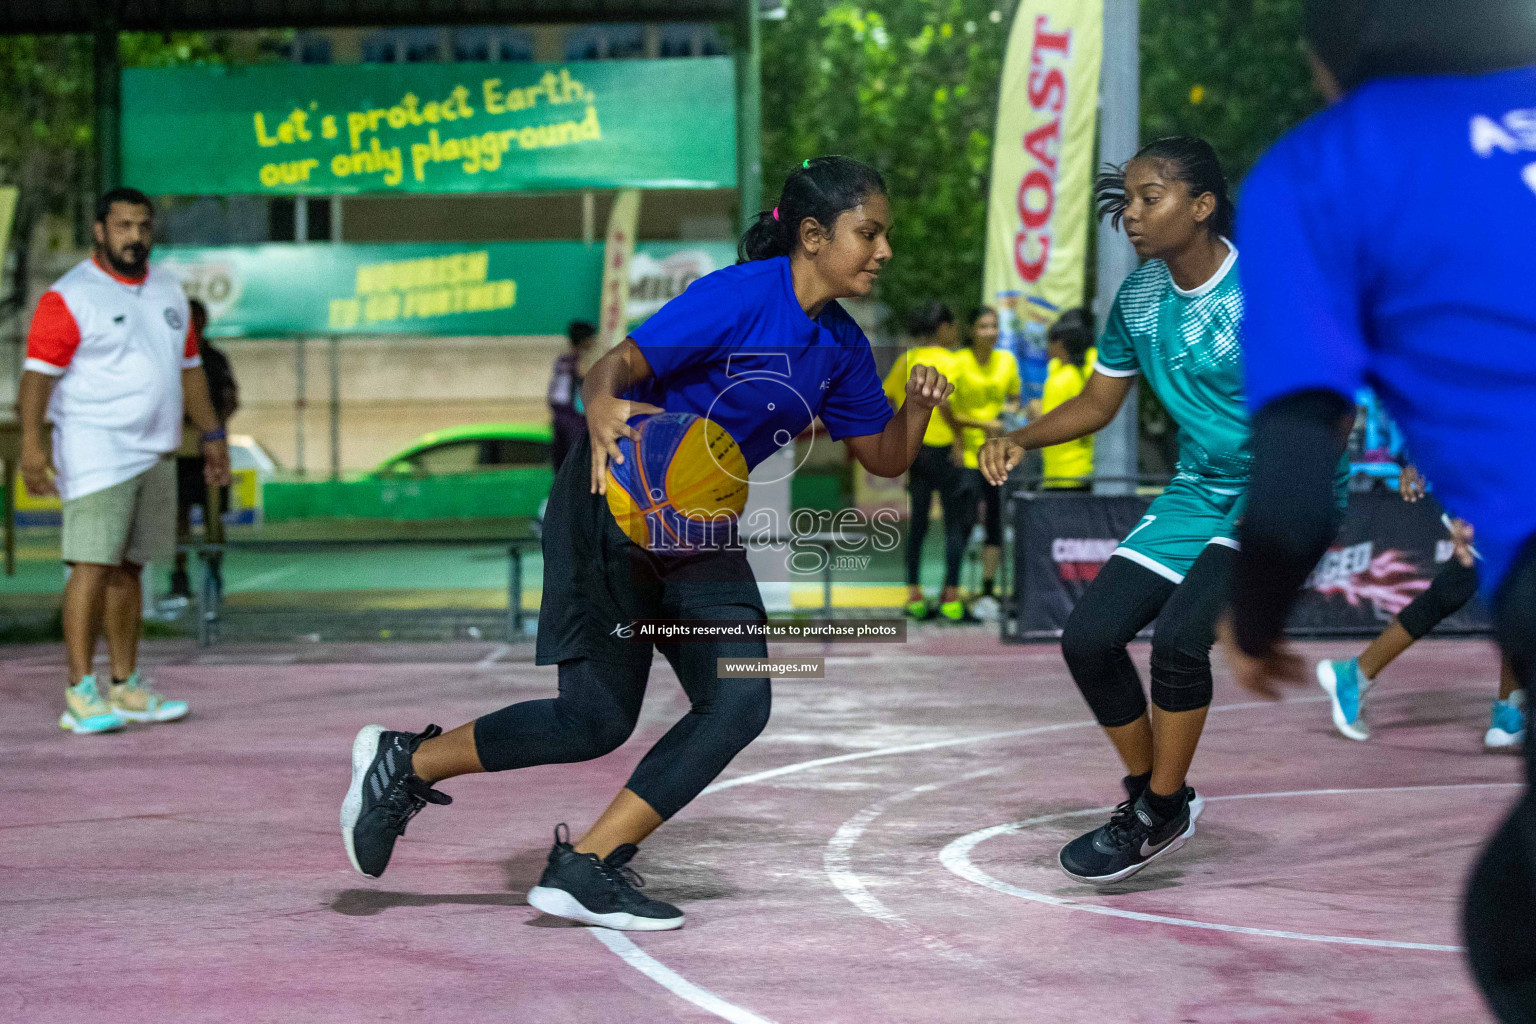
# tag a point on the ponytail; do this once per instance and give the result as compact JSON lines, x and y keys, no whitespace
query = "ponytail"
{"x":821,"y":188}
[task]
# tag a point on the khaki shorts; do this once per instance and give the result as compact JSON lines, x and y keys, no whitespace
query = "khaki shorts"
{"x":134,"y":521}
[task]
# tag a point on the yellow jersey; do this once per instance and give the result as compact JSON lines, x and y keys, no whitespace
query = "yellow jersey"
{"x":942,"y":359}
{"x":1074,"y":459}
{"x":981,"y":393}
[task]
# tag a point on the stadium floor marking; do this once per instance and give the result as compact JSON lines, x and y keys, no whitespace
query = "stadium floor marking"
{"x":624,"y":947}
{"x":957,"y":858}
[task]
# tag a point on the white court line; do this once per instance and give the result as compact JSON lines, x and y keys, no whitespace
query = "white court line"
{"x":838,"y":863}
{"x":913,"y":748}
{"x":496,"y":654}
{"x":702,"y":997}
{"x":673,"y":982}
{"x":261,"y":578}
{"x":957,"y":858}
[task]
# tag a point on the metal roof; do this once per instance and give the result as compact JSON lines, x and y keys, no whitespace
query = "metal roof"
{"x":19,"y":17}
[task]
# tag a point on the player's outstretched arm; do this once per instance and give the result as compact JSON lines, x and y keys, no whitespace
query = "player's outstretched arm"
{"x":891,"y":452}
{"x":608,"y":414}
{"x":1086,"y":413}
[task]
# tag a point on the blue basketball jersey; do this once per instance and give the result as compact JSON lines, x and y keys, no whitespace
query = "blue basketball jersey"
{"x":736,"y":347}
{"x":1390,"y":240}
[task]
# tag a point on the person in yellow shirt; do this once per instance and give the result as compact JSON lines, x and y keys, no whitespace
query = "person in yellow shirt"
{"x":938,"y":465}
{"x":1068,"y":466}
{"x":987,"y":386}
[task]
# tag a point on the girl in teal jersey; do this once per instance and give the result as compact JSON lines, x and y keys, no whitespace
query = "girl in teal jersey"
{"x":1178,"y":321}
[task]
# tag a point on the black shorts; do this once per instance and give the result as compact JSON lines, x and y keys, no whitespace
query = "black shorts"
{"x":597,"y":582}
{"x":192,"y":487}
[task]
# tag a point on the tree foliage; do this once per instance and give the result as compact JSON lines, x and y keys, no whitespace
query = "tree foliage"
{"x":910,"y":86}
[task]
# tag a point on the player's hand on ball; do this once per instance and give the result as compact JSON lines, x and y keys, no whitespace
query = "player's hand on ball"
{"x":607,"y":421}
{"x":997,"y":459}
{"x":928,"y":388}
{"x":1260,"y":675}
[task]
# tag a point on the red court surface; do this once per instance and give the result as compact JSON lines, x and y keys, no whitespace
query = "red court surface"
{"x":884,"y":853}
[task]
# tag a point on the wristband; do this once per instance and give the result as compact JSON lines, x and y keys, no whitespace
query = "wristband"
{"x":213,"y":435}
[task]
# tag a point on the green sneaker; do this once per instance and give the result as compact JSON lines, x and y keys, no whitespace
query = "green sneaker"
{"x":956,"y":611}
{"x":918,"y":610}
{"x":85,"y":712}
{"x":135,"y":701}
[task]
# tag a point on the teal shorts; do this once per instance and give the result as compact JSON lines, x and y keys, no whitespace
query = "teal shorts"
{"x":1189,"y":515}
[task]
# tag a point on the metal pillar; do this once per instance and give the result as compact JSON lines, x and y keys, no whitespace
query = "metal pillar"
{"x":749,"y":111}
{"x":335,"y":353}
{"x":300,"y":405}
{"x":1115,"y":447}
{"x":107,"y":69}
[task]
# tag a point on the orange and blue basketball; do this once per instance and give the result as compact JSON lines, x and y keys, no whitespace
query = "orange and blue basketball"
{"x":681,"y":487}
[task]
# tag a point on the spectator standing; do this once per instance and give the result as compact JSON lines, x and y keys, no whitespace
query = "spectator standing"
{"x":568,"y":416}
{"x":112,"y":359}
{"x":191,"y":479}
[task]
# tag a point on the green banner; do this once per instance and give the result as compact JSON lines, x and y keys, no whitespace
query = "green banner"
{"x":463,"y":289}
{"x":322,"y":129}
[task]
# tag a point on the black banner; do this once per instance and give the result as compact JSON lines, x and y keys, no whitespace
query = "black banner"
{"x":1386,"y":553}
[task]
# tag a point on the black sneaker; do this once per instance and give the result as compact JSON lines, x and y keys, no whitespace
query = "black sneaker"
{"x":1133,"y":838}
{"x":384,"y":795}
{"x":604,"y":892}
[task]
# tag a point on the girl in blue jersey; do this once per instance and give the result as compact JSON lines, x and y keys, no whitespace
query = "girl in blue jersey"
{"x":1389,"y":241}
{"x":762,"y":348}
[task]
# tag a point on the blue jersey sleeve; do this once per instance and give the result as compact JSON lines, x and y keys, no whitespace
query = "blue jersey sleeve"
{"x":855,"y":404}
{"x":694,"y":328}
{"x":1301,"y":274}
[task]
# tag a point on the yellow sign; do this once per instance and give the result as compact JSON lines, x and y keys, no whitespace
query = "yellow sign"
{"x":1038,"y":214}
{"x":421,"y":288}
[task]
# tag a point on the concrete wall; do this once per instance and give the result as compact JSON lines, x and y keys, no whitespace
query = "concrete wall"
{"x":392,"y":391}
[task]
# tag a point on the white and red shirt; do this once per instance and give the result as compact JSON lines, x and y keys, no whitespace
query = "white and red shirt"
{"x":117,"y":347}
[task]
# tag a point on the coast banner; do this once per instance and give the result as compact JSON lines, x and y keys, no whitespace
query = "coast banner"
{"x":323,"y":129}
{"x":1039,"y":211}
{"x":618,"y":258}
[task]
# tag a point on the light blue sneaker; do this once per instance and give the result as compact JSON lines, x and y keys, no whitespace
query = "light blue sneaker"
{"x":1508,"y":728}
{"x":1341,"y":681}
{"x":85,"y":711}
{"x":135,"y":700}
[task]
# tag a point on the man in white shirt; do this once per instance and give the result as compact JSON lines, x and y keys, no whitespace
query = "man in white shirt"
{"x":111,"y":362}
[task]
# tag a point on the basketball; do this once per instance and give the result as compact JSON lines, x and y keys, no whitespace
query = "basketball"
{"x":683,"y":485}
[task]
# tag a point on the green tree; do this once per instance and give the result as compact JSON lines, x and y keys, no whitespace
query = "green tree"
{"x":1231,"y":71}
{"x":910,"y":88}
{"x":46,"y":123}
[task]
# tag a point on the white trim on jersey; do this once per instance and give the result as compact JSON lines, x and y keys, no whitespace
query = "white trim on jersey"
{"x":1214,"y":279}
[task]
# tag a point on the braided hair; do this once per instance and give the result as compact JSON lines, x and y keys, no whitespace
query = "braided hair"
{"x":1182,"y":158}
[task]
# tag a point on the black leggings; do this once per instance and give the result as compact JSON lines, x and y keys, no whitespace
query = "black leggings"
{"x":932,"y":471}
{"x":990,"y":499}
{"x":1117,"y":605}
{"x":1500,"y":915}
{"x":1451,"y":588}
{"x":599,"y":703}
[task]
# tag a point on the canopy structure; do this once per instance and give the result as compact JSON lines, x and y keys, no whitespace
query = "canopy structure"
{"x":29,"y":17}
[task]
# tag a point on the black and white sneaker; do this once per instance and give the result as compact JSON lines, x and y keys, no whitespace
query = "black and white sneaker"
{"x":384,"y":795}
{"x":1133,"y":838}
{"x":601,"y":891}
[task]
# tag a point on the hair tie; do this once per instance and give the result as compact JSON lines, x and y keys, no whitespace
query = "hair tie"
{"x":806,"y":165}
{"x":775,"y":213}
